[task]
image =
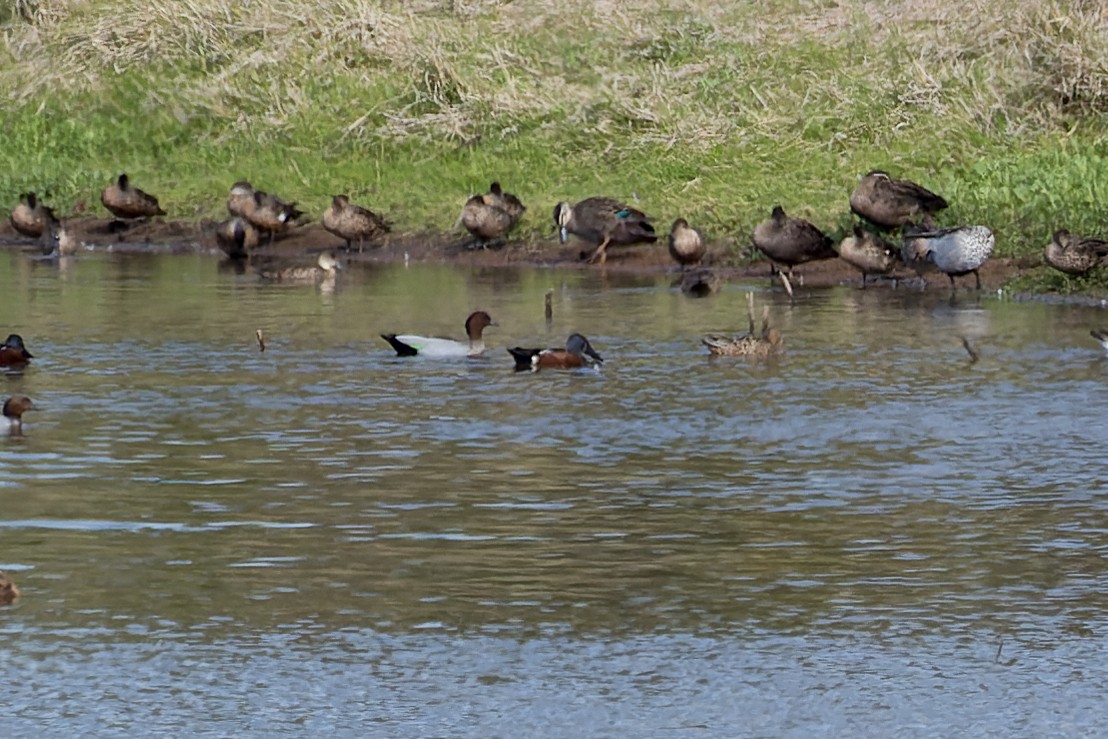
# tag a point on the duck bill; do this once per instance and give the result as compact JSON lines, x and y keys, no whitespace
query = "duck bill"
{"x":563,"y":235}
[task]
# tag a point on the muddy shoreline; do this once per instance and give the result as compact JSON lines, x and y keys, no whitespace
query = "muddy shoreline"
{"x":729,"y":260}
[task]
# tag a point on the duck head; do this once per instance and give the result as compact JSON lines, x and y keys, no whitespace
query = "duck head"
{"x":578,"y":344}
{"x":476,"y":323}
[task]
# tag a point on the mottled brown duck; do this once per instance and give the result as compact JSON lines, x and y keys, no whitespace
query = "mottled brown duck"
{"x":236,"y":237}
{"x":699,"y":283}
{"x":891,"y":203}
{"x":868,"y":253}
{"x":686,"y":244}
{"x":1074,"y":255}
{"x":604,"y":221}
{"x":31,"y":217}
{"x":127,"y":202}
{"x":352,"y":222}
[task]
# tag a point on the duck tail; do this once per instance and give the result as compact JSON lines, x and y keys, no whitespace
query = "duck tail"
{"x":402,"y":349}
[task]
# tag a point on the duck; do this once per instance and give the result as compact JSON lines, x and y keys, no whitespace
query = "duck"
{"x":686,"y":245}
{"x":490,"y":217}
{"x":125,"y":201}
{"x":240,"y":198}
{"x":790,"y":241}
{"x":58,"y":241}
{"x":1074,"y":255}
{"x":325,"y":268}
{"x":578,"y":352}
{"x":236,"y":237}
{"x":868,"y":252}
{"x":891,"y":203}
{"x":267,"y":213}
{"x":410,"y":345}
{"x":13,"y":353}
{"x":11,"y":422}
{"x":353,"y":222}
{"x":31,"y":217}
{"x":765,"y":343}
{"x":699,"y":283}
{"x":1102,"y":337}
{"x":954,"y":251}
{"x":605,"y":221}
{"x":9,"y":592}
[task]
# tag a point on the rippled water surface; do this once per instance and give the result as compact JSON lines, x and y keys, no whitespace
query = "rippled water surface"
{"x":866,"y":536}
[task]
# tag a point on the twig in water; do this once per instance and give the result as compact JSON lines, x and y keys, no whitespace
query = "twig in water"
{"x":548,"y":306}
{"x":973,"y":355}
{"x":788,"y":285}
{"x":261,"y":339}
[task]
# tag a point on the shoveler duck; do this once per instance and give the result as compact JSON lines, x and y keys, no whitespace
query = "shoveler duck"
{"x":9,"y":592}
{"x":353,"y":222}
{"x":236,"y":237}
{"x":605,"y":221}
{"x":11,"y":422}
{"x":686,"y":245}
{"x":790,"y":241}
{"x":490,"y":217}
{"x":410,"y":345}
{"x":31,"y":217}
{"x":954,"y":251}
{"x":763,"y":344}
{"x":1074,"y":255}
{"x":1102,"y":337}
{"x":325,"y":268}
{"x":699,"y":283}
{"x":126,"y":201}
{"x":890,"y":203}
{"x":578,"y":352}
{"x":13,"y":353}
{"x":868,"y":252}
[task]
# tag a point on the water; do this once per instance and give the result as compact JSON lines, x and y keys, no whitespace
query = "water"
{"x":866,"y":536}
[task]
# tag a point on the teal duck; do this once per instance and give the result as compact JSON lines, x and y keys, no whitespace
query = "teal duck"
{"x":699,"y":283}
{"x":890,"y":203}
{"x":605,"y":221}
{"x":125,"y":201}
{"x":353,"y":222}
{"x":686,"y":245}
{"x":1074,"y":255}
{"x":236,"y":237}
{"x":578,"y":352}
{"x":791,"y":241}
{"x":8,"y":589}
{"x":490,"y":217}
{"x":31,"y":217}
{"x":954,"y":251}
{"x":869,"y":253}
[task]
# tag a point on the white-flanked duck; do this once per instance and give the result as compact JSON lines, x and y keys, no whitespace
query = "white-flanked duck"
{"x":410,"y":345}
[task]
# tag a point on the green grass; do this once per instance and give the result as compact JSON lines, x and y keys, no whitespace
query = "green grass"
{"x":707,"y":112}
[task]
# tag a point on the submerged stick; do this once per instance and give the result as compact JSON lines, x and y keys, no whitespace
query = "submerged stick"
{"x":788,"y":285}
{"x":750,"y":311}
{"x":261,"y":339}
{"x":973,"y":355}
{"x":548,"y":306}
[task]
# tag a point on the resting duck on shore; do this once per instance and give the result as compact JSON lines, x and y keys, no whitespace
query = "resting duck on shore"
{"x":11,"y":422}
{"x":410,"y":345}
{"x":868,"y":252}
{"x":890,"y":203}
{"x":490,"y":217}
{"x":790,"y":241}
{"x":127,"y":202}
{"x":267,"y":213}
{"x":31,"y":217}
{"x":605,"y":221}
{"x":236,"y":237}
{"x":686,"y":245}
{"x":13,"y":353}
{"x":1074,"y":255}
{"x":954,"y":251}
{"x":353,"y":222}
{"x":578,"y":352}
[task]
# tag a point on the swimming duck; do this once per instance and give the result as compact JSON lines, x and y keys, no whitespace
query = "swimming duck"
{"x":791,"y":241}
{"x":890,"y":203}
{"x":686,"y":245}
{"x":408,"y":345}
{"x":8,"y":590}
{"x":762,"y":344}
{"x":236,"y":237}
{"x":578,"y":352}
{"x":491,"y":216}
{"x":699,"y":283}
{"x":1102,"y":337}
{"x":325,"y":268}
{"x":353,"y":222}
{"x":13,"y":353}
{"x":11,"y":423}
{"x":954,"y":251}
{"x":605,"y":221}
{"x":868,"y":252}
{"x":1074,"y":255}
{"x":127,"y":202}
{"x":31,"y":217}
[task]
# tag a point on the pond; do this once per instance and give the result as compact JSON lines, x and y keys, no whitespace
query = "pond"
{"x":868,"y":535}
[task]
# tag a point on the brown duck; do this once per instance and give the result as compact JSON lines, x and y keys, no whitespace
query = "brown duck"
{"x":891,"y":203}
{"x":765,"y":343}
{"x":699,"y":283}
{"x":605,"y":221}
{"x":490,"y":217}
{"x":9,"y":592}
{"x":353,"y":222}
{"x":686,"y":245}
{"x":1074,"y":255}
{"x":31,"y":217}
{"x":791,"y":241}
{"x":236,"y":237}
{"x":869,"y":253}
{"x":125,"y":201}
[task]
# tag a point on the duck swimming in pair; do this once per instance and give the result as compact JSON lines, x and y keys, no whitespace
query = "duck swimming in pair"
{"x":411,"y":345}
{"x":490,"y":217}
{"x":686,"y":244}
{"x":891,"y":203}
{"x":954,"y":251}
{"x":578,"y":352}
{"x":789,"y":241}
{"x":11,"y":422}
{"x":868,"y":252}
{"x":13,"y":353}
{"x":353,"y":222}
{"x":605,"y":221}
{"x":9,"y":592}
{"x":31,"y":217}
{"x":1074,"y":255}
{"x":236,"y":237}
{"x":127,"y":202}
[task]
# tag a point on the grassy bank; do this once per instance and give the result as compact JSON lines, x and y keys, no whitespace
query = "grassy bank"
{"x":714,"y":113}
